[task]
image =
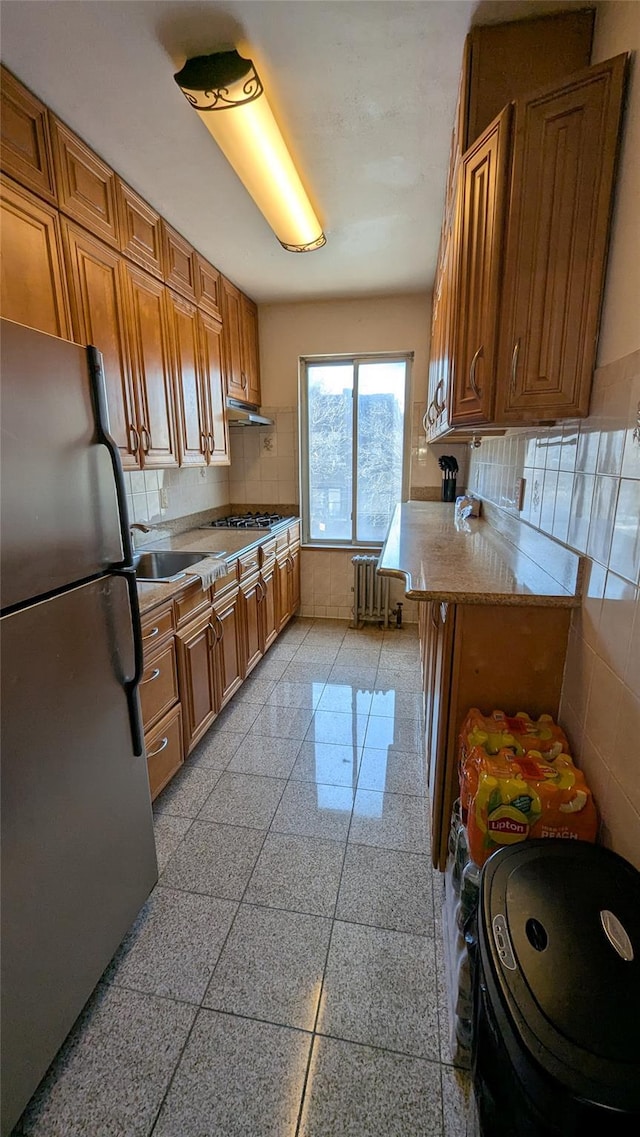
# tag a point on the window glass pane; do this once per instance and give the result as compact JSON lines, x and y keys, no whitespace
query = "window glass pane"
{"x":330,"y":406}
{"x":381,"y":408}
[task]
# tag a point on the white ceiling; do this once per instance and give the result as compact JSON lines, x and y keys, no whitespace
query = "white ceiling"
{"x":364,"y":92}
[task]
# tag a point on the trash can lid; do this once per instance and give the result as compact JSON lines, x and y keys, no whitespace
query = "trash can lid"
{"x":559,"y":924}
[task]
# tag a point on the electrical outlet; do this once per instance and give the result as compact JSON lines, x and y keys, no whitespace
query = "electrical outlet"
{"x":203,"y":473}
{"x":164,"y":499}
{"x":268,"y":444}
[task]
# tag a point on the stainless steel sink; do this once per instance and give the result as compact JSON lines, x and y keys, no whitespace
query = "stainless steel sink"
{"x":165,"y":564}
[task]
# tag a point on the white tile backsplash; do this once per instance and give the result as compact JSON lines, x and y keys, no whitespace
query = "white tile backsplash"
{"x":154,"y":496}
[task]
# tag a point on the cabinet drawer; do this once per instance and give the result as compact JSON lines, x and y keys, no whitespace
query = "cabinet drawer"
{"x":164,"y":750}
{"x":294,"y":534}
{"x":86,"y":186}
{"x":248,"y":564}
{"x":156,"y":625}
{"x":189,"y":603}
{"x":159,"y":685}
{"x":227,"y":581}
{"x":282,"y":544}
{"x":267,"y":551}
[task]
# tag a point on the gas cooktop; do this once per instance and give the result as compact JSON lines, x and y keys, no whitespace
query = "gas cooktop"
{"x":248,"y":521}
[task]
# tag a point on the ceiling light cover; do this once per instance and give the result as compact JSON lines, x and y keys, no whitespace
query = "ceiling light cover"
{"x":227,"y":93}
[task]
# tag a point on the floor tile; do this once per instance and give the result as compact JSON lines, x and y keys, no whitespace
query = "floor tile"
{"x":386,"y":888}
{"x":186,"y":793}
{"x":358,"y":1091}
{"x":336,"y":726}
{"x":237,"y":717}
{"x":272,"y":723}
{"x":399,"y":771}
{"x":215,"y":750}
{"x":168,"y":832}
{"x":174,"y":945}
{"x":409,"y":681}
{"x":380,"y":989}
{"x":272,"y":967}
{"x":296,"y":695}
{"x":308,"y":672}
{"x":298,"y":873}
{"x":112,"y":1072}
{"x":254,"y":691}
{"x":320,"y":652}
{"x":402,"y":734}
{"x":271,"y":757}
{"x":362,"y":677}
{"x":397,"y":704}
{"x":358,"y":659}
{"x":284,"y":651}
{"x":345,"y":698}
{"x":458,"y":1104}
{"x":215,"y":859}
{"x":236,"y":1078}
{"x":313,"y":810}
{"x":243,"y":799}
{"x":329,"y":763}
{"x":390,"y":821}
{"x":270,"y":669}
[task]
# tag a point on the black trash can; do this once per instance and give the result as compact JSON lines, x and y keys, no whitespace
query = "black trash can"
{"x":556,"y":972}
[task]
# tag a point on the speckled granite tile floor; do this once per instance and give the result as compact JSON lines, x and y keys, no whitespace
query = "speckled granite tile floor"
{"x":284,"y":978}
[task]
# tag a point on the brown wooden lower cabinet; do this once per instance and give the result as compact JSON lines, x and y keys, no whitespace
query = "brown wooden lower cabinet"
{"x":228,"y":643}
{"x":196,"y":674}
{"x":485,"y":656}
{"x":251,"y":591}
{"x":159,"y":684}
{"x":164,"y":747}
{"x":268,"y":606}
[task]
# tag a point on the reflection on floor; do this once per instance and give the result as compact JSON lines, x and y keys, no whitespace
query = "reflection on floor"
{"x":285,"y":976}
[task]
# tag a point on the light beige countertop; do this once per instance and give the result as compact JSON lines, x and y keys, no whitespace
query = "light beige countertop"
{"x":476,"y":562}
{"x":231,"y":542}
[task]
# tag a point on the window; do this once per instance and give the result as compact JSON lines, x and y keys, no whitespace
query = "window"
{"x":353,"y":433}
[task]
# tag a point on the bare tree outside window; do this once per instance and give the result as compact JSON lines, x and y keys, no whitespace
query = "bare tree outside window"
{"x":354,"y":434}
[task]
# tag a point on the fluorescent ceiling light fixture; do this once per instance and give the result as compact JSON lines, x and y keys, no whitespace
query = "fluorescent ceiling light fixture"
{"x":227,"y":93}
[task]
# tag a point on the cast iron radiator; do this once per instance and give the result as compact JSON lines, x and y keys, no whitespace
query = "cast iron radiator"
{"x":370,"y":593}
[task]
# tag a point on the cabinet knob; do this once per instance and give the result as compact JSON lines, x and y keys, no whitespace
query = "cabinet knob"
{"x":472,"y":373}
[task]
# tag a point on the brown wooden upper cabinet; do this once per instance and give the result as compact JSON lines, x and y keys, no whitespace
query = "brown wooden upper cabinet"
{"x":140,"y":230}
{"x":208,"y":287}
{"x":480,"y":218}
{"x":33,"y":287}
{"x":210,"y":341}
{"x":240,"y":345}
{"x":25,"y":149}
{"x":150,"y":356}
{"x":196,"y":352}
{"x":86,"y":185}
{"x":179,"y":262}
{"x":528,"y":319}
{"x":564,"y":156}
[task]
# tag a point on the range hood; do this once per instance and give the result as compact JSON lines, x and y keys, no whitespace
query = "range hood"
{"x":239,"y":414}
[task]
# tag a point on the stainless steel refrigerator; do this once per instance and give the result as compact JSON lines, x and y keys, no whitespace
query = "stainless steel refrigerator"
{"x":78,"y":853}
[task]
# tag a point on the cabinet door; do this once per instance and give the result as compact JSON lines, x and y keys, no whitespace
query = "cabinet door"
{"x":191,"y":410}
{"x":25,"y":143}
{"x":232,"y":341}
{"x":86,"y":185}
{"x":179,"y":262}
{"x":251,"y":607}
{"x":213,"y":389}
{"x":151,"y":367}
{"x":563,"y":167}
{"x":208,"y":287}
{"x":294,"y":580}
{"x":140,"y":230}
{"x":33,"y":288}
{"x":164,"y":746}
{"x":196,"y":671}
{"x":437,"y":718}
{"x":229,"y":641}
{"x":480,"y":220}
{"x":250,"y":352}
{"x":95,"y":282}
{"x":283,"y":610}
{"x":268,"y":605}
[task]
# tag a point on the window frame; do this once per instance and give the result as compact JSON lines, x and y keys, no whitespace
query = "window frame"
{"x":356,"y":360}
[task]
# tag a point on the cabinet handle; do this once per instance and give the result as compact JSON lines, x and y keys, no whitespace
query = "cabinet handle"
{"x":431,"y":408}
{"x":434,"y":614}
{"x":514,"y":365}
{"x":425,"y":427}
{"x":154,"y":675}
{"x":163,"y":746}
{"x":438,"y":407}
{"x":203,"y":443}
{"x":472,"y":372}
{"x":212,"y":442}
{"x":145,"y":438}
{"x":136,"y":445}
{"x":243,"y":381}
{"x":152,"y":634}
{"x":249,"y":565}
{"x":220,"y":629}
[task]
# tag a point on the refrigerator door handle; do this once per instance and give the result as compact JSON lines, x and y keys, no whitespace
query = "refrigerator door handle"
{"x":124,"y":568}
{"x":96,"y":373}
